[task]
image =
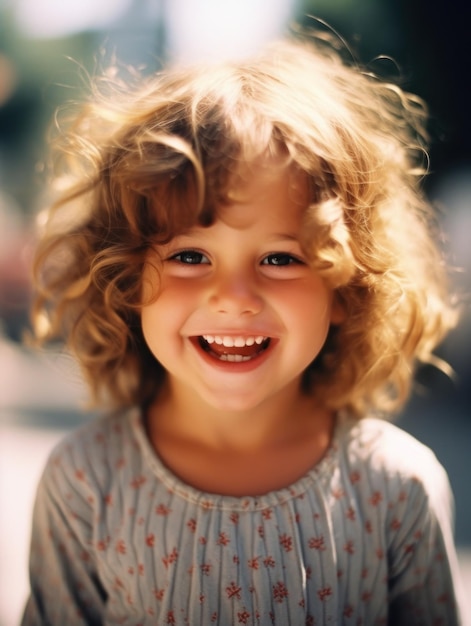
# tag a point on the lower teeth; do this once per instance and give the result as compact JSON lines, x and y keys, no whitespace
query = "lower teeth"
{"x":237,"y":358}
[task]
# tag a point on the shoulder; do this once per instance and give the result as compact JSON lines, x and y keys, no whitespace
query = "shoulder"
{"x":394,"y":459}
{"x":89,"y":456}
{"x":383,"y":444}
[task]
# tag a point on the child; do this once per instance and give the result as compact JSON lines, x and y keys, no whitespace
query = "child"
{"x":243,"y":266}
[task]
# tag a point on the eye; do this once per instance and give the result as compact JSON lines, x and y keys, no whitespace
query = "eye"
{"x":280,"y":259}
{"x":190,"y":257}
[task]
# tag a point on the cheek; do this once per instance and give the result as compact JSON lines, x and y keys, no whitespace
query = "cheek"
{"x":163,"y":318}
{"x":310,"y":307}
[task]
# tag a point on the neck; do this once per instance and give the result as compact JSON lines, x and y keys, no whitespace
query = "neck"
{"x":239,"y":453}
{"x":182,"y":414}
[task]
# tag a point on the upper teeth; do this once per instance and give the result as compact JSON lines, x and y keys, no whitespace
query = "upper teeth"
{"x":231,"y":342}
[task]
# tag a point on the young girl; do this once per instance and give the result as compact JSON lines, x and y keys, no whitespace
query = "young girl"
{"x":243,"y":266}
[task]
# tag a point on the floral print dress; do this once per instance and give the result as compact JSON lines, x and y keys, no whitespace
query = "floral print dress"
{"x":363,"y":538}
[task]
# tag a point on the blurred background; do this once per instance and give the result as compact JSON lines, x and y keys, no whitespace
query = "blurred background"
{"x":44,"y":44}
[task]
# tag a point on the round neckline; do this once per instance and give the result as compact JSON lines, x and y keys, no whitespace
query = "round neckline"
{"x":214,"y":501}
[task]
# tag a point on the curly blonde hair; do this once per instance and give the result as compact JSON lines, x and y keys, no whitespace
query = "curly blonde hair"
{"x":144,"y":162}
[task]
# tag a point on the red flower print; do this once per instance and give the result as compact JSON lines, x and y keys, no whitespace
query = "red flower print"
{"x":234,"y":517}
{"x":202,"y":598}
{"x":223,"y":539}
{"x":324,"y":593}
{"x":286,"y":542}
{"x":364,"y":572}
{"x":409,"y":548}
{"x":138,"y":482}
{"x":351,"y":514}
{"x":140,"y":569}
{"x":120,"y":546}
{"x":267,"y":513}
{"x":349,"y":547}
{"x":243,"y":617}
{"x":101,"y":545}
{"x":261,"y":532}
{"x":108,"y":499}
{"x":131,"y":571}
{"x":269,"y":561}
{"x":254,"y":563}
{"x":171,"y":618}
{"x":120,"y":463}
{"x":280,"y":592}
{"x":191,"y":524}
{"x":368,"y":527}
{"x":161,"y":509}
{"x":338,"y":493}
{"x":233,"y":591}
{"x":366,"y":596}
{"x":316,"y":543}
{"x":395,"y":524}
{"x":214,"y":617}
{"x":80,"y":475}
{"x":159,"y":594}
{"x":205,"y":568}
{"x":310,"y":621}
{"x":308,"y":572}
{"x":402,"y":496}
{"x":170,"y":558}
{"x":376,"y":498}
{"x":355,"y":477}
{"x":150,"y":540}
{"x":203,"y":541}
{"x":348,"y":611}
{"x":379,"y":553}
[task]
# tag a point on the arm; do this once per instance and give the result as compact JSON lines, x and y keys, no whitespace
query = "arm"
{"x":64,"y":586}
{"x":424,"y":581}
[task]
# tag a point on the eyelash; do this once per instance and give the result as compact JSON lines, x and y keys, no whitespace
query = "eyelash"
{"x":178,"y":257}
{"x":197,"y":258}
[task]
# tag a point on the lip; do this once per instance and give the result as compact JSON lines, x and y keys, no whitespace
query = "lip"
{"x":234,"y":366}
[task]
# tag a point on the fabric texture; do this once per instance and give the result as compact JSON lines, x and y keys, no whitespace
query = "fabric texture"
{"x":363,"y":538}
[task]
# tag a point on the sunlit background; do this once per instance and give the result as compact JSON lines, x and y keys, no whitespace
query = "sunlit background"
{"x":45,"y":44}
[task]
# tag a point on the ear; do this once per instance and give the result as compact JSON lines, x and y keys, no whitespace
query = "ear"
{"x":338,"y":312}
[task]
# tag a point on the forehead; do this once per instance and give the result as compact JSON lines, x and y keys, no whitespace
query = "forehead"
{"x":267,"y":190}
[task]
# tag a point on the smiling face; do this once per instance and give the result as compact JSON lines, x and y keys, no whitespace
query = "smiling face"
{"x":240,"y":314}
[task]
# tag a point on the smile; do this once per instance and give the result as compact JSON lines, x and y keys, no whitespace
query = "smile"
{"x":234,"y":349}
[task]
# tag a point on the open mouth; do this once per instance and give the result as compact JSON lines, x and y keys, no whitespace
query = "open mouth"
{"x":234,"y":349}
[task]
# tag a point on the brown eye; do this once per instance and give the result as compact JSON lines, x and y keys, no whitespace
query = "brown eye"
{"x":190,"y":257}
{"x":280,"y":259}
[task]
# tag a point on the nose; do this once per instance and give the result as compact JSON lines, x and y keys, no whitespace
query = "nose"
{"x":235,"y":292}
